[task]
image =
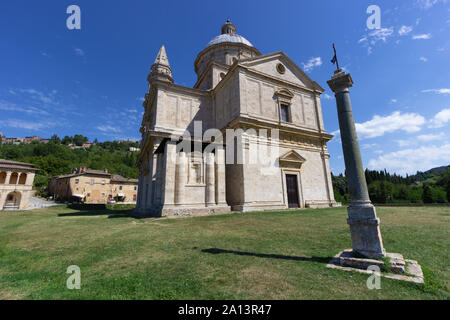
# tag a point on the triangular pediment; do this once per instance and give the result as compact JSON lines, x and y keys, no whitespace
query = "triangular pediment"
{"x":278,"y":65}
{"x":292,"y":156}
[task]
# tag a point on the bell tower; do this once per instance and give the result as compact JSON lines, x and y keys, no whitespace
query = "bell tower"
{"x":160,"y":70}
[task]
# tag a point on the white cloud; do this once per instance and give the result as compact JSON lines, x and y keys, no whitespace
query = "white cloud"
{"x":312,"y":63}
{"x":380,"y":34}
{"x":108,"y":128}
{"x":423,"y":59}
{"x":21,"y":124}
{"x":413,"y":159}
{"x":427,"y":4}
{"x":404,"y":30}
{"x":79,"y":52}
{"x":373,"y":37}
{"x":327,"y":96}
{"x":430,"y":137}
{"x":397,"y":121}
{"x":8,"y":106}
{"x":403,"y":143}
{"x":424,"y":36}
{"x":438,"y":91}
{"x":47,"y":98}
{"x":440,"y":119}
{"x":393,"y":100}
{"x":368,"y":145}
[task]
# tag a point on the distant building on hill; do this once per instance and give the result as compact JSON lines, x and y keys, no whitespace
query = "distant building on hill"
{"x":16,"y":184}
{"x":26,"y":140}
{"x":93,"y":186}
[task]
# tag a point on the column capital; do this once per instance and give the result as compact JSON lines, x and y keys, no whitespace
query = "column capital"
{"x":340,"y":81}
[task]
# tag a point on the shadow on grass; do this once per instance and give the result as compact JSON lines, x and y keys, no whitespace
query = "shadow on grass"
{"x":92,"y":213}
{"x":271,"y":256}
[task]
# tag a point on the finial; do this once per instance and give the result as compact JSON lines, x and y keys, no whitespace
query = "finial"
{"x":335,"y":60}
{"x":228,"y":27}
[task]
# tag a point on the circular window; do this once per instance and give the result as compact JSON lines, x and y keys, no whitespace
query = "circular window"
{"x":280,"y":68}
{"x":222,"y":75}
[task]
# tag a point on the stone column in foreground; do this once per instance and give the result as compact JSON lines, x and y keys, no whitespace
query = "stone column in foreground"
{"x":362,"y":217}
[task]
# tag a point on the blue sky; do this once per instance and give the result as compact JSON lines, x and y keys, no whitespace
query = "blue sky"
{"x":91,"y":81}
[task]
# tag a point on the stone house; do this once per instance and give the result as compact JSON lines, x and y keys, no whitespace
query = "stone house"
{"x":242,"y":91}
{"x":93,"y":186}
{"x":16,"y":184}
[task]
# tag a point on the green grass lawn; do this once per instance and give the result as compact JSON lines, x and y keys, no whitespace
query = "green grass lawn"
{"x":260,"y":255}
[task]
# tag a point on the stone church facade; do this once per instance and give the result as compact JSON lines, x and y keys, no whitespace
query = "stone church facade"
{"x":268,"y":100}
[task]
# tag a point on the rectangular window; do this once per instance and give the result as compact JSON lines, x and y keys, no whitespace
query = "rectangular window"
{"x":135,"y":188}
{"x":134,"y":197}
{"x":92,"y":181}
{"x":76,"y":181}
{"x":103,"y":182}
{"x":120,"y":188}
{"x":284,"y":108}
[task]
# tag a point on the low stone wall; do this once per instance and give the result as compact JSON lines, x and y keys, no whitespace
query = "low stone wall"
{"x":411,"y":204}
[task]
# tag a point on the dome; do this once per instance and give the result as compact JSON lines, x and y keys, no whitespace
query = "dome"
{"x":235,"y":38}
{"x":229,"y":35}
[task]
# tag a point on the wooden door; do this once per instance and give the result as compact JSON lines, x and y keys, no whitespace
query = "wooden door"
{"x":292,"y":191}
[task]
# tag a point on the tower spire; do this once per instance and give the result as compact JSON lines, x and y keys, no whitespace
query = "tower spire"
{"x":160,"y":69}
{"x":161,"y":58}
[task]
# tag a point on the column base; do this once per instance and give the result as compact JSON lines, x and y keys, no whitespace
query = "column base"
{"x":365,"y":231}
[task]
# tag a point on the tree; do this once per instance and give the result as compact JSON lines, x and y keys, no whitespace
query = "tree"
{"x":67,"y":140}
{"x":427,"y":195}
{"x":79,"y":139}
{"x":55,"y":139}
{"x":448,"y":190}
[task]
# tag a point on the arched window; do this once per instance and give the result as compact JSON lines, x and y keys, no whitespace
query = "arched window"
{"x":14,"y":177}
{"x":23,"y":178}
{"x":2,"y":177}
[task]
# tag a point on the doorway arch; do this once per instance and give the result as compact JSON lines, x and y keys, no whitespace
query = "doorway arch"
{"x":12,"y":200}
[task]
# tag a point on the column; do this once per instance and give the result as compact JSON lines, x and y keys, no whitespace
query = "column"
{"x":8,"y":177}
{"x":180,"y":177}
{"x":327,"y":175}
{"x":154,"y":178}
{"x":210,"y":179}
{"x":169,"y":166}
{"x":159,"y":178}
{"x":140,"y":189}
{"x":362,"y":218}
{"x":220,"y":176}
{"x":148,"y":196}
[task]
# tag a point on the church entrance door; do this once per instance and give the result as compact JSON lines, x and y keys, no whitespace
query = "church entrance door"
{"x":292,"y":191}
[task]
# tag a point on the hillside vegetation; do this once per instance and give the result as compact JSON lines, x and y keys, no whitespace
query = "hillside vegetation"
{"x":55,"y":158}
{"x":432,"y":186}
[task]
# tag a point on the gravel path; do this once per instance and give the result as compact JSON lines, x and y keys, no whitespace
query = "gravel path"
{"x":37,"y":203}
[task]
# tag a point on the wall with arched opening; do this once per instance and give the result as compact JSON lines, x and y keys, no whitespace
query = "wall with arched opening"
{"x":14,"y":177}
{"x":2,"y":177}
{"x":23,"y":178}
{"x":13,"y":200}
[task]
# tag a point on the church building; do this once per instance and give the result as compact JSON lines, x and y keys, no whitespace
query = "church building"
{"x":255,"y":102}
